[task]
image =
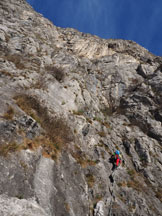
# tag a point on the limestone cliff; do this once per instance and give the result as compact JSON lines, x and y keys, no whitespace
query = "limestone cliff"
{"x":68,"y":100}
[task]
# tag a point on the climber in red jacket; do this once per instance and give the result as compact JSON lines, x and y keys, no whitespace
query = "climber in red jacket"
{"x":116,"y":159}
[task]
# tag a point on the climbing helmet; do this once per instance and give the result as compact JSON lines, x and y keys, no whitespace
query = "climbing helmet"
{"x":117,"y":152}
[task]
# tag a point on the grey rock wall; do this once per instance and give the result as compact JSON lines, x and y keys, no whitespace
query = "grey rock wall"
{"x":68,"y":100}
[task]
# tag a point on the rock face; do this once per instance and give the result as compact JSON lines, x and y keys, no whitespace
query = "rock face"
{"x":68,"y":100}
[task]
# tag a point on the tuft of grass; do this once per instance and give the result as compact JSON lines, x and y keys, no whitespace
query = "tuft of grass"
{"x":81,"y":158}
{"x":98,"y":197}
{"x":158,"y":194}
{"x":136,"y":182}
{"x":122,"y":198}
{"x":9,"y":114}
{"x":115,"y":205}
{"x":63,"y":103}
{"x":103,"y":145}
{"x":131,"y":207}
{"x":67,"y":207}
{"x":6,"y":73}
{"x":39,"y":84}
{"x":108,"y":111}
{"x":5,"y":149}
{"x":97,"y":119}
{"x":19,"y":196}
{"x":90,"y":180}
{"x":17,"y":59}
{"x":122,"y":184}
{"x":89,"y":120}
{"x":24,"y":102}
{"x":136,"y":185}
{"x":57,"y":132}
{"x":24,"y":165}
{"x":102,"y":134}
{"x":57,"y":73}
{"x":78,"y":112}
{"x":131,"y":172}
{"x":106,"y":125}
{"x":50,"y":149}
{"x":91,"y":162}
{"x":75,"y":131}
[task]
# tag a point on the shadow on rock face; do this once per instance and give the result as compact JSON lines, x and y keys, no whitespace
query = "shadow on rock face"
{"x":111,"y":179}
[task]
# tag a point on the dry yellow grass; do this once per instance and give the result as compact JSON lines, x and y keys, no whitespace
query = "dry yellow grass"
{"x":6,"y":73}
{"x":57,"y":132}
{"x":5,"y":149}
{"x":58,"y":73}
{"x":90,"y":180}
{"x":102,"y":134}
{"x":81,"y":158}
{"x":9,"y":114}
{"x":159,"y":194}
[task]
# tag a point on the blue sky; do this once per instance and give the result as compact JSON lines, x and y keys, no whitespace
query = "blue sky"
{"x":137,"y":20}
